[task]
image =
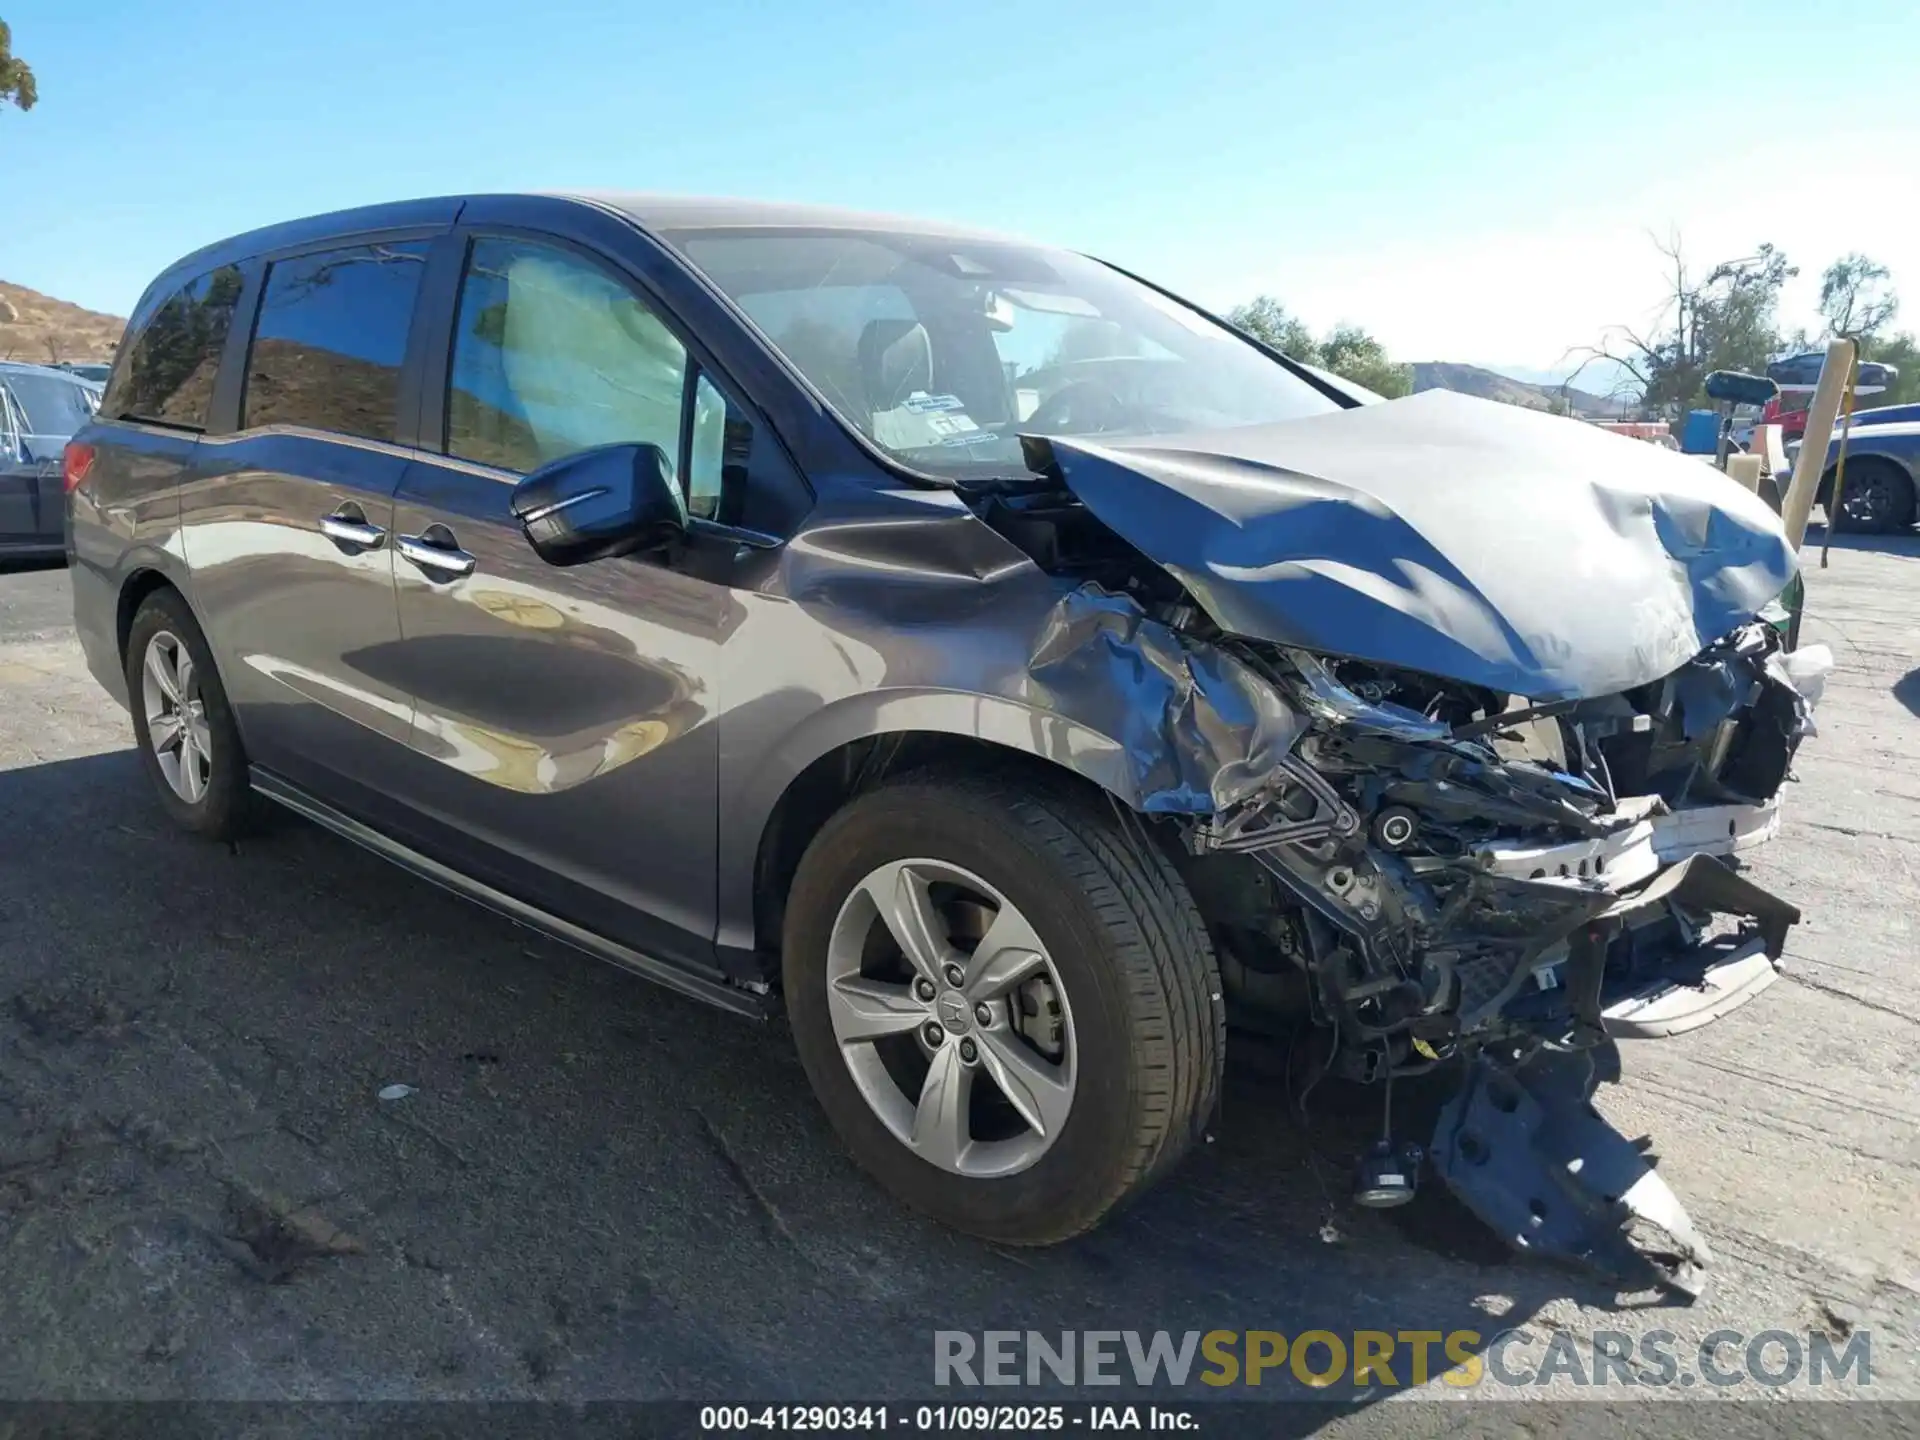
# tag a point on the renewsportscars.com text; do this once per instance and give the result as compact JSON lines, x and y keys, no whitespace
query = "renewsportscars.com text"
{"x":1464,"y":1359}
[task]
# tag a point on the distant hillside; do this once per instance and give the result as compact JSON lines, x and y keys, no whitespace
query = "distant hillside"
{"x":1490,"y":385}
{"x":41,"y":329}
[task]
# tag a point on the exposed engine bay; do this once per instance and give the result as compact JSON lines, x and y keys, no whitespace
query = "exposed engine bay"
{"x":1447,"y":870}
{"x":1450,"y":868}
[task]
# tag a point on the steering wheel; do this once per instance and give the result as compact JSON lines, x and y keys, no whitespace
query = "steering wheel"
{"x":1080,"y":407}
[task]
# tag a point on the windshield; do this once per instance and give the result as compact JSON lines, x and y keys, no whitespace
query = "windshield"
{"x":944,"y":351}
{"x":53,"y":404}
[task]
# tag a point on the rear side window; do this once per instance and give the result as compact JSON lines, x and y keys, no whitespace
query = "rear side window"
{"x":331,"y":336}
{"x":170,"y":366}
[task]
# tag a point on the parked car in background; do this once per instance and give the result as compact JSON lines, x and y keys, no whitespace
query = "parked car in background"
{"x":40,"y":409}
{"x":1886,"y":415}
{"x":1789,"y":412}
{"x":94,"y":370}
{"x":1881,"y":492}
{"x":1805,"y":368}
{"x":995,"y":663}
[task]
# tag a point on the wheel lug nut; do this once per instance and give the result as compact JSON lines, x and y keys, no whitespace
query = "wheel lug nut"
{"x":969,"y":1052}
{"x":956,"y":977}
{"x":932,"y":1033}
{"x":983,"y":1013}
{"x":924,"y":989}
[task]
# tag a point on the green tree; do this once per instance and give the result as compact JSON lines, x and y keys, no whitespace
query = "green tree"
{"x":1727,"y":321}
{"x":1903,"y":352}
{"x":1855,"y":299}
{"x":1267,"y":320}
{"x":1352,"y":354}
{"x":1857,"y":302}
{"x":16,"y":79}
{"x":1348,"y":351}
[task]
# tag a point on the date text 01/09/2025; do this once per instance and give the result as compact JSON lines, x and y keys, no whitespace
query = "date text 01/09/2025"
{"x":978,"y":1419}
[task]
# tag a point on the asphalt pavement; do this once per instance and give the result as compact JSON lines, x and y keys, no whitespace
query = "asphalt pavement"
{"x":594,"y":1189}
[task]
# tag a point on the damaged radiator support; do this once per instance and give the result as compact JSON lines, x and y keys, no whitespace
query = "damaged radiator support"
{"x":1419,"y":950}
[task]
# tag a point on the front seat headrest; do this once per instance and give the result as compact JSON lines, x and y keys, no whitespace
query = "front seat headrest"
{"x":896,"y":359}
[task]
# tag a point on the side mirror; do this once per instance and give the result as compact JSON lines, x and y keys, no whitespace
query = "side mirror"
{"x":1739,"y":388}
{"x":611,"y":500}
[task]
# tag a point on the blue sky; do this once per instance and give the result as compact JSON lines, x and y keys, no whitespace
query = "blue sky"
{"x":1471,"y":181}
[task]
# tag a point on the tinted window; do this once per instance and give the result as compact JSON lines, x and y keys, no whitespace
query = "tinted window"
{"x":53,"y":405}
{"x":331,"y":337}
{"x":168,"y":371}
{"x":551,"y":355}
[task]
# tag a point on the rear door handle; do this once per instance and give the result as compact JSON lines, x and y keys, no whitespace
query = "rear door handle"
{"x":439,"y":558}
{"x":349,"y":527}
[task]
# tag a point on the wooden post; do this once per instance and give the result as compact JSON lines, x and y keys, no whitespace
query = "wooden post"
{"x":1813,"y":445}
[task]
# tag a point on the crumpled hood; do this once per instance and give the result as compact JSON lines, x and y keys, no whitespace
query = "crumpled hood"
{"x":1493,"y":545}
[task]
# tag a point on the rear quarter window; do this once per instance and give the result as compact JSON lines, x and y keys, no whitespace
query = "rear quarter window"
{"x":168,"y":369}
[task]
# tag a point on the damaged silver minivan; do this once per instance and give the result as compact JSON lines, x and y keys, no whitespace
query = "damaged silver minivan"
{"x":1011,"y":672}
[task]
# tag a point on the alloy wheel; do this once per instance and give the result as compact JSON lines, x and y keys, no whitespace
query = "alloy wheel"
{"x":951,"y":1018}
{"x":176,"y":717}
{"x":1870,"y":500}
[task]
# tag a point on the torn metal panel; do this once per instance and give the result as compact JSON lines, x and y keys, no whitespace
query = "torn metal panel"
{"x":1445,"y":534}
{"x":1201,"y":730}
{"x":1327,"y":699}
{"x":1526,"y":1151}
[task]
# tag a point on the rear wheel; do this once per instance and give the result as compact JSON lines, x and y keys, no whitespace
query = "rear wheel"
{"x":182,"y":722}
{"x":1005,"y":1001}
{"x":1876,"y":499}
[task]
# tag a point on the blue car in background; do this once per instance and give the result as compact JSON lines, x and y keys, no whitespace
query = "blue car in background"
{"x":1881,"y":493}
{"x":40,"y":409}
{"x":1887,"y":415}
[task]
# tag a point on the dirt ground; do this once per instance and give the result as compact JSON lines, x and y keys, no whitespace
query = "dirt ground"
{"x":598,"y":1190}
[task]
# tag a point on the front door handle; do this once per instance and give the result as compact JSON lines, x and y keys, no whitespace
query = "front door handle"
{"x":438,"y":556}
{"x":349,"y":527}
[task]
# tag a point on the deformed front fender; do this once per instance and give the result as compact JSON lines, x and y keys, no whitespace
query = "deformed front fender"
{"x":1163,"y":723}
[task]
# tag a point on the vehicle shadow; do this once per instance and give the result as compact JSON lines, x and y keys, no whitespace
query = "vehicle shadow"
{"x":588,"y":1189}
{"x":1907,"y":691}
{"x":1907,"y":542}
{"x":27,"y":564}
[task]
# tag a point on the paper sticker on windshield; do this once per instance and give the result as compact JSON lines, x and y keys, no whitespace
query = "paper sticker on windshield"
{"x":920,"y":403}
{"x":947,"y":426}
{"x":911,"y":426}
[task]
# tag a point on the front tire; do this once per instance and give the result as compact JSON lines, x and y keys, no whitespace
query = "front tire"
{"x":1005,"y":1000}
{"x":184,"y":727}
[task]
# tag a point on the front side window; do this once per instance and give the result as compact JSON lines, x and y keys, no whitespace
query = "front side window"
{"x":944,"y":351}
{"x":169,"y":368}
{"x":331,"y":338}
{"x":551,"y":355}
{"x":707,"y":452}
